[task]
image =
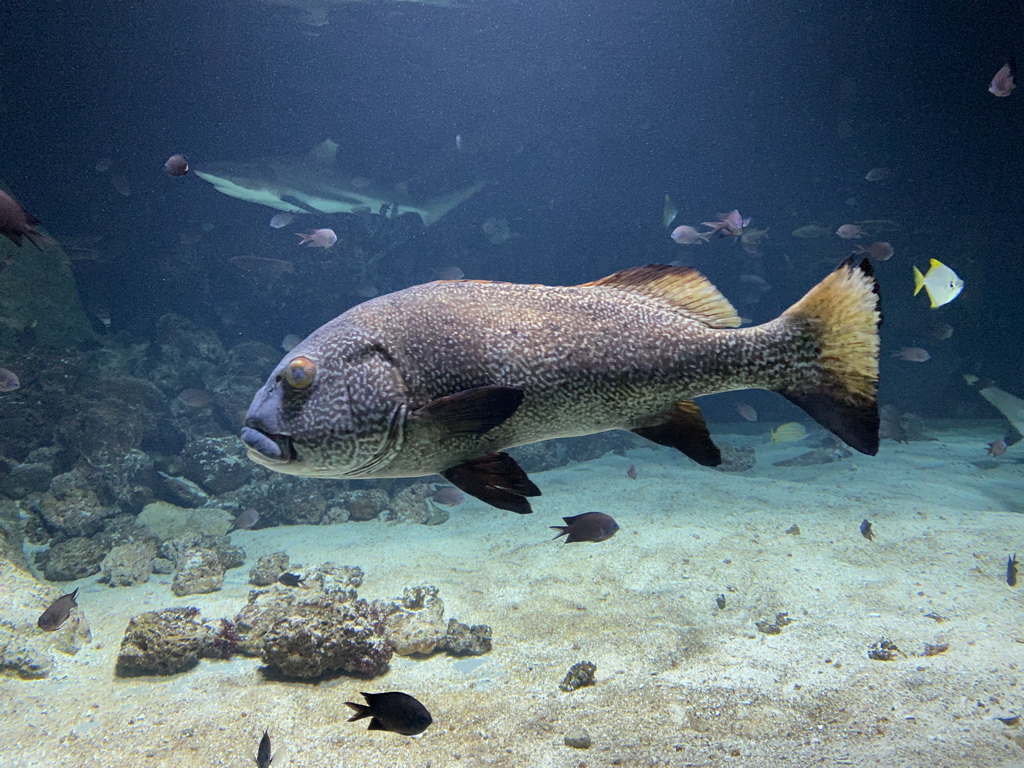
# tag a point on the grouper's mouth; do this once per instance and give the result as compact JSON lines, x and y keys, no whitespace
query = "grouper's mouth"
{"x":268,"y":449}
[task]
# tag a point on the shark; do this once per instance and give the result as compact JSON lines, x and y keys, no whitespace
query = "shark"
{"x":313,"y":184}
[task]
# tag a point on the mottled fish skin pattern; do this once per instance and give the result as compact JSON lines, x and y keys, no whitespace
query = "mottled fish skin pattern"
{"x":589,"y":358}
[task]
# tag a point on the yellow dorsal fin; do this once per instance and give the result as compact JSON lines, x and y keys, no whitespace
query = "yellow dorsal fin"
{"x":683,"y":288}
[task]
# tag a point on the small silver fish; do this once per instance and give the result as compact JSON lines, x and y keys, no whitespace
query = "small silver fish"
{"x":279,"y":220}
{"x":8,"y":380}
{"x":246,"y":519}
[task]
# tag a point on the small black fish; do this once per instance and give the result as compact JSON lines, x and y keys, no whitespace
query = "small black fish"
{"x":396,"y":712}
{"x":176,"y":165}
{"x":1011,"y":570}
{"x":290,"y":579}
{"x":57,"y":613}
{"x":590,"y":526}
{"x":865,"y":530}
{"x":263,"y":756}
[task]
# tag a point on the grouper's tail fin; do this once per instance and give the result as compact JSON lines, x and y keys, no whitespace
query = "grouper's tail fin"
{"x":840,"y":316}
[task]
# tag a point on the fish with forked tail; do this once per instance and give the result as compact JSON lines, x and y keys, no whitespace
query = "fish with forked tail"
{"x":58,"y":612}
{"x":442,"y":377}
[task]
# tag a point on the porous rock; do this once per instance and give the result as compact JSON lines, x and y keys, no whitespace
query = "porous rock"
{"x":325,"y":635}
{"x":268,"y":568}
{"x":415,"y":623}
{"x":199,"y":572}
{"x":165,"y":642}
{"x":464,"y":640}
{"x":72,"y":559}
{"x":128,"y":564}
{"x":218,"y":464}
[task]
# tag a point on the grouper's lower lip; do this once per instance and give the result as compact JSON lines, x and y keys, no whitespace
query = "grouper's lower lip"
{"x":267,"y":449}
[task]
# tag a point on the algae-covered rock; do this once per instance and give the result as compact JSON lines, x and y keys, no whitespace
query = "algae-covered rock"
{"x":218,"y":464}
{"x":465,"y":640}
{"x":165,"y":642}
{"x":38,"y":294}
{"x":72,"y":559}
{"x":169,"y":521}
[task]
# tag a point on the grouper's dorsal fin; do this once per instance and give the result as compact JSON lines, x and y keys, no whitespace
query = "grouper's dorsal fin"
{"x":683,"y":288}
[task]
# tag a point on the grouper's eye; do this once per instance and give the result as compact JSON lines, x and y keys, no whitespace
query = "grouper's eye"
{"x":300,"y":373}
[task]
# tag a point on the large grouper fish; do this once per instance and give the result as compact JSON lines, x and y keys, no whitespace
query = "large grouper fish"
{"x":442,"y":377}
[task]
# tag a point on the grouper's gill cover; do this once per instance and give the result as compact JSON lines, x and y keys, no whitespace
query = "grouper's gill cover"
{"x":442,"y":377}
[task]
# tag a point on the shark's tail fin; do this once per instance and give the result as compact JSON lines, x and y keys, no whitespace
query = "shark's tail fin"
{"x":839,"y":318}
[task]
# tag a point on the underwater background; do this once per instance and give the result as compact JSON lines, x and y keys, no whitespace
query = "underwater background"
{"x":582,"y":134}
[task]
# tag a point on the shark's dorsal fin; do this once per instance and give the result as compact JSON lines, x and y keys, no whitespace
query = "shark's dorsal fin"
{"x":324,"y":153}
{"x":684,"y":289}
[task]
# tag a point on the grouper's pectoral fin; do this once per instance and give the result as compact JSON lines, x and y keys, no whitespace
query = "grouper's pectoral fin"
{"x":684,"y":429}
{"x":473,"y":411}
{"x":495,"y":479}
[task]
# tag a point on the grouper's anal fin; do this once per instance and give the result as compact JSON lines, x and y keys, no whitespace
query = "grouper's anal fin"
{"x":495,"y":479}
{"x":471,"y":412}
{"x":684,"y":429}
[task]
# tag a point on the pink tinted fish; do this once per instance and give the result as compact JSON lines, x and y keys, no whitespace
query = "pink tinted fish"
{"x":877,"y":251}
{"x":318,"y":238}
{"x":850,"y":232}
{"x":746,"y":411}
{"x":1003,"y":82}
{"x":176,"y":165}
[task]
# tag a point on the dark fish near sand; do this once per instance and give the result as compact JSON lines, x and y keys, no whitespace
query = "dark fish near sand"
{"x":865,"y":530}
{"x":16,"y":223}
{"x":396,"y":712}
{"x":441,"y":377}
{"x":590,"y":526}
{"x":58,"y":612}
{"x":246,"y":519}
{"x":263,"y":756}
{"x":446,"y":495}
{"x":1011,"y":570}
{"x":290,"y":579}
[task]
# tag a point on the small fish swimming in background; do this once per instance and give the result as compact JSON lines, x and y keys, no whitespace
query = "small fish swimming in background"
{"x":318,"y":238}
{"x":851,"y":232}
{"x":590,"y":526}
{"x":394,"y":711}
{"x":446,"y":495}
{"x":448,"y":273}
{"x":176,"y":165}
{"x":913,"y":354}
{"x":459,"y":144}
{"x":809,"y":231}
{"x":289,"y":341}
{"x":942,"y":283}
{"x":789,"y":432}
{"x":279,"y":220}
{"x":997,"y":447}
{"x":1003,"y":82}
{"x":878,"y":174}
{"x":246,"y":519}
{"x":8,"y":380}
{"x":290,"y":579}
{"x":195,"y":398}
{"x":58,"y":612}
{"x":263,"y":756}
{"x":728,"y":224}
{"x":630,"y":472}
{"x":16,"y":223}
{"x":687,"y":235}
{"x":865,"y":530}
{"x":879,"y":251}
{"x":669,"y":211}
{"x":1011,"y":570}
{"x":746,"y":411}
{"x":942,"y":331}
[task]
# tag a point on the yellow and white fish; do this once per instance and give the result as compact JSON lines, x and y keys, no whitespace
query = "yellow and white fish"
{"x":669,"y":212}
{"x":789,"y":432}
{"x":941,"y":282}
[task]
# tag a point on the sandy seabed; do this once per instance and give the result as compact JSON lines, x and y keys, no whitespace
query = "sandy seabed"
{"x":680,"y":682}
